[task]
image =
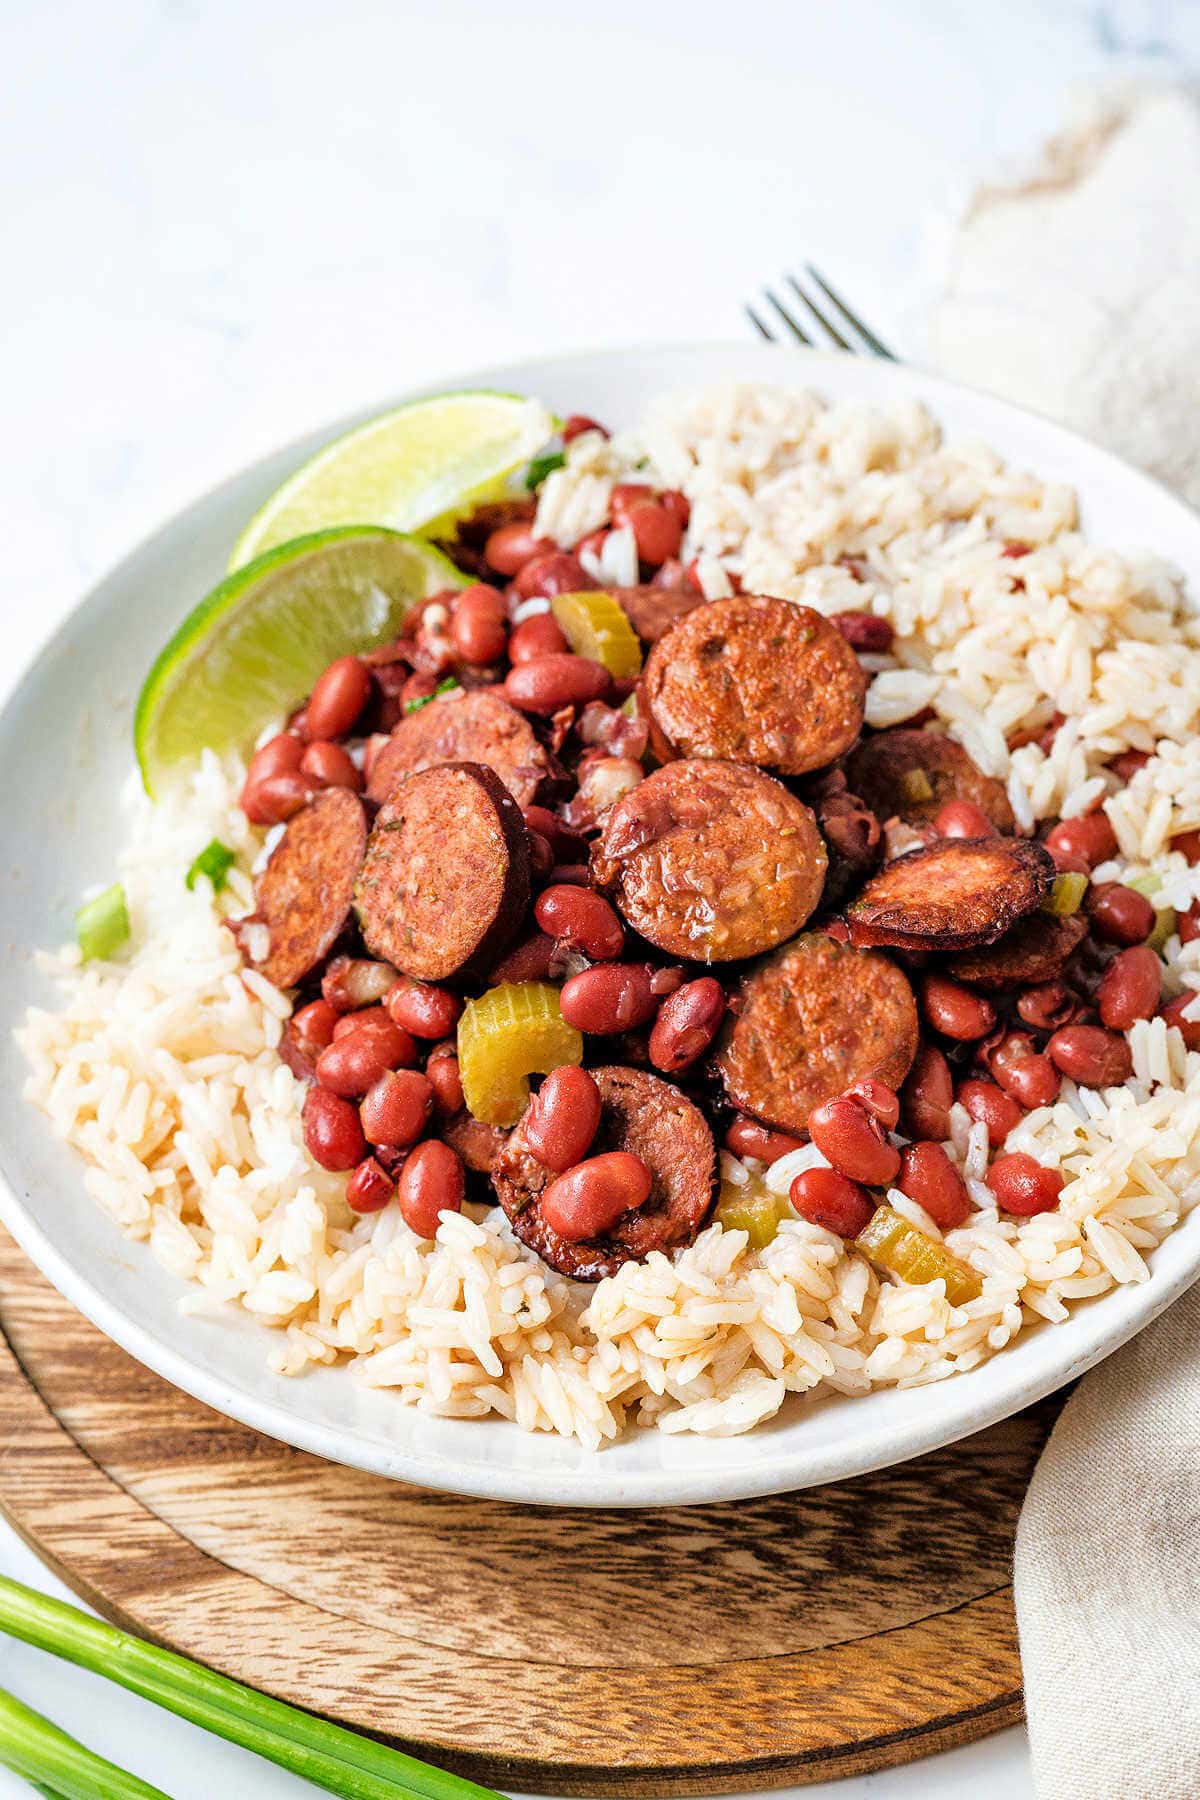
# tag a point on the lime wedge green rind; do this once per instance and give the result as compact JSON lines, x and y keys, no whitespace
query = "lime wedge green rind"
{"x":255,"y":645}
{"x":417,"y":468}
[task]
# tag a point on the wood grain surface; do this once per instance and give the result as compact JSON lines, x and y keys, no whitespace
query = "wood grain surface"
{"x":687,"y":1651}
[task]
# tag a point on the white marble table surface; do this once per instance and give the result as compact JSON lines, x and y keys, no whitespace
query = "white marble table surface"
{"x":224,"y":222}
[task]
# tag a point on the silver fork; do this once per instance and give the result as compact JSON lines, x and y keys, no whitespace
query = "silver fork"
{"x":834,"y":318}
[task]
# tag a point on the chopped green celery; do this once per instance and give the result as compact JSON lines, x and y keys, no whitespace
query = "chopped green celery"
{"x":215,"y":860}
{"x":102,"y":925}
{"x":1148,"y":882}
{"x":541,"y":466}
{"x":916,"y":786}
{"x":1066,"y":895}
{"x":892,"y":1244}
{"x":1165,"y":923}
{"x":749,"y":1208}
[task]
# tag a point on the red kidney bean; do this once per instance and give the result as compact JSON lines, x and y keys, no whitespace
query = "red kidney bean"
{"x":963,"y":819}
{"x":338,"y":698}
{"x":330,"y":766}
{"x":276,"y":798}
{"x":853,"y":1141}
{"x":581,"y":919}
{"x":369,"y":1015}
{"x":879,"y":1100}
{"x":929,"y":1177}
{"x":627,"y":494}
{"x":555,"y":573}
{"x":567,"y":845}
{"x":332,"y":1132}
{"x":421,"y":1009}
{"x":537,"y":637}
{"x":588,"y":1200}
{"x":548,"y":682}
{"x":305,"y":1035}
{"x":1091,"y":839}
{"x":1188,"y":924}
{"x":956,"y":1011}
{"x":990,"y":1105}
{"x":828,"y":1199}
{"x":1047,"y":1006}
{"x":1173,"y":1013}
{"x":1126,"y":766}
{"x":478,"y":626}
{"x":1069,"y":862}
{"x":927,"y":1095}
{"x":280,"y":755}
{"x":529,"y":960}
{"x":1188,"y":845}
{"x":746,"y":1137}
{"x":666,"y":981}
{"x":1023,"y":1072}
{"x":396,"y":1108}
{"x":1119,"y":914}
{"x":577,"y":424}
{"x":1092,"y":1057}
{"x":687,"y":1023}
{"x":675,"y":502}
{"x":1041,"y":735}
{"x":510,"y":547}
{"x":865,"y":631}
{"x":351,"y":982}
{"x":656,"y":532}
{"x":354,"y":1063}
{"x":611,"y":997}
{"x":1022,"y":1186}
{"x":541,"y":856}
{"x":1130,"y":988}
{"x":442,"y":1074}
{"x":1016,"y":547}
{"x":431,"y":1183}
{"x":369,"y":1188}
{"x":563,"y":1118}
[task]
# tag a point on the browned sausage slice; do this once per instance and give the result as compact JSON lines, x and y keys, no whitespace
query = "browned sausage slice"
{"x":910,"y":775}
{"x":954,"y":895}
{"x":478,"y":727}
{"x":653,"y":610}
{"x":650,"y":1118}
{"x":479,"y":1145}
{"x":445,"y":881}
{"x":756,"y":680}
{"x":1035,"y":950}
{"x":304,"y":894}
{"x":815,"y":1018}
{"x":711,"y":860}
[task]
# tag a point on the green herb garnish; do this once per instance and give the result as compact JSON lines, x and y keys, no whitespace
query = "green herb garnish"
{"x":543,"y":465}
{"x":102,"y":925}
{"x":215,"y":861}
{"x":447,"y":684}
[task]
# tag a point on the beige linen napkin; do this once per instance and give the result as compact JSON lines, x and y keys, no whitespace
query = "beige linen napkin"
{"x":1077,"y":292}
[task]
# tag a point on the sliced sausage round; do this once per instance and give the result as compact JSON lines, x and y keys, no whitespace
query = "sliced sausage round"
{"x":478,"y":727}
{"x":755,"y":680}
{"x":305,"y":893}
{"x":648,"y":1117}
{"x":445,"y":881}
{"x":653,"y":610}
{"x":1034,"y":951}
{"x":955,"y":895}
{"x":886,"y":771}
{"x":478,"y":1145}
{"x":711,"y":860}
{"x":813,"y":1019}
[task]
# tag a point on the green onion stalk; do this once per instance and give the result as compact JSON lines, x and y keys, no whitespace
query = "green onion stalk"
{"x":341,"y":1761}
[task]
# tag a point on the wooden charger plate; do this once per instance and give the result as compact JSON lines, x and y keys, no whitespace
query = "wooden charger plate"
{"x":692,"y":1650}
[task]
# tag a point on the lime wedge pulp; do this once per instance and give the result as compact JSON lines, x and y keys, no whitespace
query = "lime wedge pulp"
{"x":413,"y":469}
{"x":256,"y":644}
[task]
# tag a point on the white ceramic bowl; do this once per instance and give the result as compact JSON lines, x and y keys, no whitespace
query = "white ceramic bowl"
{"x":65,"y":746}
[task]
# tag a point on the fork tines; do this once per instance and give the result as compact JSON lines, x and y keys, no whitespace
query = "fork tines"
{"x":829,"y":312}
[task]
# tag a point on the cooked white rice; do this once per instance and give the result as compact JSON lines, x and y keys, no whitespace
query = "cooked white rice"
{"x":161,"y":1068}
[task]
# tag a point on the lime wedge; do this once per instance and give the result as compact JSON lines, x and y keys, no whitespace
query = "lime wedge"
{"x":256,"y":644}
{"x":414,"y":469}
